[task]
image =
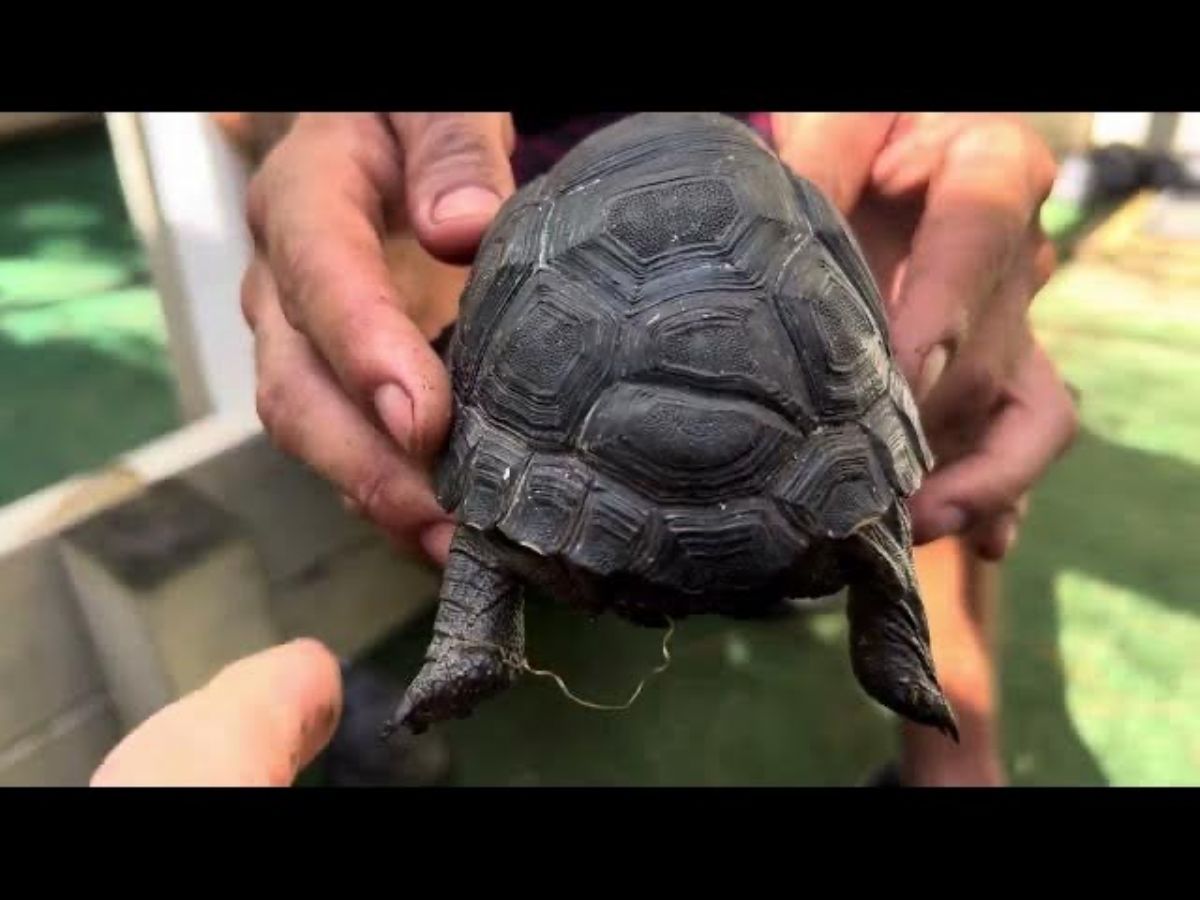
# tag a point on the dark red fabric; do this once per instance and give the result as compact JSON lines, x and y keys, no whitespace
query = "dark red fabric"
{"x":545,"y":141}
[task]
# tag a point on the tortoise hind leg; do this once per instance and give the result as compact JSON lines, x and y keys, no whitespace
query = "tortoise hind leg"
{"x":889,"y":634}
{"x":478,"y":638}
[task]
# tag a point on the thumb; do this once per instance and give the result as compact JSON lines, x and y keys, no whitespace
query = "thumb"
{"x":258,"y":723}
{"x":457,"y":173}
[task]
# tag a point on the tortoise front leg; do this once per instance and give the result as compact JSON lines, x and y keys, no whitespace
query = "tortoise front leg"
{"x":889,"y":634}
{"x":478,"y":643}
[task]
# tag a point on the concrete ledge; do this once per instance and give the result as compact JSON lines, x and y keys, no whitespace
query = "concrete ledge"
{"x":123,"y":589}
{"x":172,"y":591}
{"x":293,"y":517}
{"x":350,"y":600}
{"x":47,"y":663}
{"x":66,"y":750}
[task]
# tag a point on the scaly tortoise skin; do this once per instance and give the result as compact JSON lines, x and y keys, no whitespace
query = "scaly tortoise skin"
{"x":674,"y":395}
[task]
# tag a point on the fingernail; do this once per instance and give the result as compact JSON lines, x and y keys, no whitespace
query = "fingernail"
{"x":931,"y":371}
{"x":889,"y":161}
{"x":435,"y":541}
{"x":465,"y":203}
{"x":351,"y":505}
{"x":396,"y":410}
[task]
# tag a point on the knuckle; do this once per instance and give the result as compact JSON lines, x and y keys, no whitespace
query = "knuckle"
{"x":370,"y":492}
{"x":460,"y":146}
{"x":1017,"y":146}
{"x":1045,"y":262}
{"x":409,"y":124}
{"x":986,"y":139}
{"x":248,"y":298}
{"x":274,"y":406}
{"x":265,"y":185}
{"x":1000,"y":259}
{"x":320,"y":304}
{"x":1042,"y":163}
{"x":393,"y":503}
{"x":356,"y":349}
{"x":297,"y":269}
{"x":251,"y":294}
{"x":457,"y":141}
{"x":979,"y":387}
{"x":311,"y":145}
{"x":256,"y":202}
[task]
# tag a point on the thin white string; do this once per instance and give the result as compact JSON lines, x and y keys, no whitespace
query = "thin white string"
{"x":524,"y":665}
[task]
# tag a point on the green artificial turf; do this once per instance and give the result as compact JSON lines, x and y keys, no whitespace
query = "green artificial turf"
{"x":1101,"y":675}
{"x":83,"y":364}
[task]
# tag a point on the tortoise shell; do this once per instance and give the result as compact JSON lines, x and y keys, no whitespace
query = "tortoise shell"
{"x":674,"y":394}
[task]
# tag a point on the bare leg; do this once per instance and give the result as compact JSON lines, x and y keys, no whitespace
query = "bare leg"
{"x":478,"y":638}
{"x":960,"y":592}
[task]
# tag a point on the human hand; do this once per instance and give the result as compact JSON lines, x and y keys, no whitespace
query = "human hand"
{"x":258,"y":723}
{"x":946,"y":210}
{"x":347,"y":380}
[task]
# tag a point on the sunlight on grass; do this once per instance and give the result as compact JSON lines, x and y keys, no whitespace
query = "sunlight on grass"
{"x":1102,"y":617}
{"x":1133,"y":681}
{"x":104,"y":320}
{"x":31,"y":280}
{"x":56,"y":215}
{"x":1103,"y":302}
{"x":1132,"y":352}
{"x":83,"y":354}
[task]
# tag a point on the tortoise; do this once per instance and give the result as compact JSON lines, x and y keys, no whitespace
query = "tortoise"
{"x":674,"y":395}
